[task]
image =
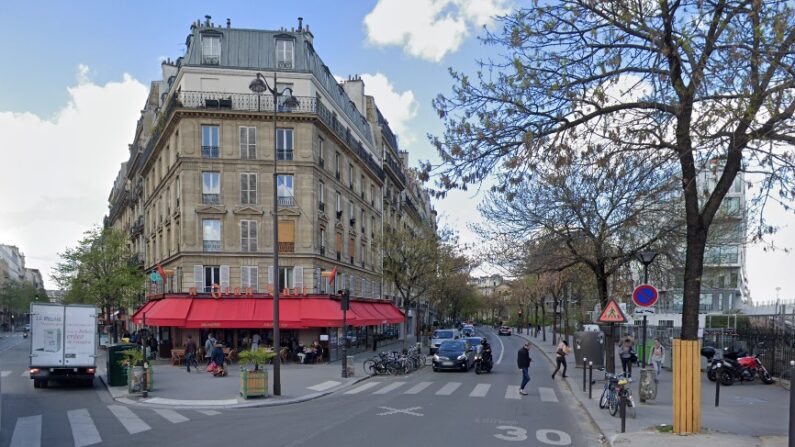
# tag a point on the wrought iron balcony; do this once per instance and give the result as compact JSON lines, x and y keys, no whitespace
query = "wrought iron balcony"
{"x":211,"y":152}
{"x":321,"y":206}
{"x":284,"y":154}
{"x":322,"y":251}
{"x":211,"y":199}
{"x":286,"y":247}
{"x":286,"y":201}
{"x":212,"y":246}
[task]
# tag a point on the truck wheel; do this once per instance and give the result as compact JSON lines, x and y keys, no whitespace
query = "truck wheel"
{"x":36,"y":383}
{"x":44,"y":383}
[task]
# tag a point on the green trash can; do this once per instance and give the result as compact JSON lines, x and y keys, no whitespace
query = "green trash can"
{"x":117,"y":373}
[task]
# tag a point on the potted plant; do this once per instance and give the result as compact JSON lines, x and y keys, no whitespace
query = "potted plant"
{"x":254,"y":382}
{"x":134,"y":361}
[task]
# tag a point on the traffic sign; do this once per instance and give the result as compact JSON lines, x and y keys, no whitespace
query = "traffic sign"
{"x":612,"y":314}
{"x":645,"y":295}
{"x":641,"y":311}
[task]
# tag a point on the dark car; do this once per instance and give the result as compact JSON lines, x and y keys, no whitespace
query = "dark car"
{"x":504,"y":330}
{"x":454,"y":354}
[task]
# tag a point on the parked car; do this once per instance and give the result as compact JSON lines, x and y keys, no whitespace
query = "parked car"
{"x":454,"y":354}
{"x":504,"y":330}
{"x":441,"y":335}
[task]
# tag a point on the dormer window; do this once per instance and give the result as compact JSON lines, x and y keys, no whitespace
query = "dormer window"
{"x":284,"y":53}
{"x":211,"y":50}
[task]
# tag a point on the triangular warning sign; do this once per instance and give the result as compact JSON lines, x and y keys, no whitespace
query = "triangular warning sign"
{"x":612,"y":314}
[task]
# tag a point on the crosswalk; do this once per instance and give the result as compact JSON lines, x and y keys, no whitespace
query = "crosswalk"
{"x":480,"y":390}
{"x":28,"y":429}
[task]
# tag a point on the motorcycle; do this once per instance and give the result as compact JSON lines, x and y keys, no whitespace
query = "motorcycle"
{"x":483,"y":362}
{"x":735,"y":366}
{"x":25,"y":334}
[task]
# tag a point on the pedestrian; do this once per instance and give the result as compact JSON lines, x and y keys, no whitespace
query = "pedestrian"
{"x":523,"y":362}
{"x":209,"y":344}
{"x":628,"y":356}
{"x":560,"y":357}
{"x":218,"y":358}
{"x":657,"y":357}
{"x":255,"y":341}
{"x":190,"y":353}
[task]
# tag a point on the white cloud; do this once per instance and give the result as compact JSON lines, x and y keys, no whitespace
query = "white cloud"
{"x":397,"y":107}
{"x":428,"y":29}
{"x":58,"y":172}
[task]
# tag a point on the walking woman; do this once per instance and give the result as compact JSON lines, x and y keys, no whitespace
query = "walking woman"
{"x":657,"y":357}
{"x":560,"y":357}
{"x":628,"y":356}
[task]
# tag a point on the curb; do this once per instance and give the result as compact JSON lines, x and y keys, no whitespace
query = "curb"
{"x":603,"y":437}
{"x":127,"y":400}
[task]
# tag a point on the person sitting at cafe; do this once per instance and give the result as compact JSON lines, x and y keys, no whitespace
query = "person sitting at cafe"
{"x":318,"y":351}
{"x":217,"y":356}
{"x":301,"y":353}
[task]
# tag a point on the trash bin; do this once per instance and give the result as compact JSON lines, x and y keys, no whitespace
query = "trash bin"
{"x":590,"y":345}
{"x":351,"y":368}
{"x":648,"y":384}
{"x":117,"y":373}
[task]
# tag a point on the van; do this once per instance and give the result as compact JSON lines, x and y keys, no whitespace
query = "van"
{"x":440,"y":335}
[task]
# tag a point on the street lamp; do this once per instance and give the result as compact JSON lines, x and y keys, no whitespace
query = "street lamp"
{"x":646,"y":257}
{"x":260,"y":85}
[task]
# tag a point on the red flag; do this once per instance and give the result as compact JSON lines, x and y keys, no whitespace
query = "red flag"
{"x":332,"y":275}
{"x":161,"y":272}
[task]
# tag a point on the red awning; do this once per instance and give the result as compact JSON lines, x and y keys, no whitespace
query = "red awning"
{"x":138,"y":315}
{"x":212,"y":313}
{"x":366,"y":315}
{"x":165,"y":312}
{"x":392,"y":313}
{"x":324,"y":312}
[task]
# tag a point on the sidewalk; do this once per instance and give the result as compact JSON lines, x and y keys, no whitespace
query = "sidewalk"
{"x":174,"y":387}
{"x":750,"y":414}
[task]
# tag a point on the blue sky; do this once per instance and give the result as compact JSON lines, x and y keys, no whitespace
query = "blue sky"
{"x":77,"y":73}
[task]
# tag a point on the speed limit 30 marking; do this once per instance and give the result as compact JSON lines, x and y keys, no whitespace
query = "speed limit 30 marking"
{"x":546,"y":436}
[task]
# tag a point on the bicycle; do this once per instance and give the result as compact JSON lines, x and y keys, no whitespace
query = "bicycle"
{"x":617,"y":388}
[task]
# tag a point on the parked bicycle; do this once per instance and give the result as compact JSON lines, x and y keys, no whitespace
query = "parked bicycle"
{"x":617,"y":388}
{"x":395,"y":363}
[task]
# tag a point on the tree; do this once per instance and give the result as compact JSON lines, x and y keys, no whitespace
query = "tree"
{"x":451,"y":292}
{"x":15,"y":299}
{"x":100,"y":271}
{"x":709,"y":82}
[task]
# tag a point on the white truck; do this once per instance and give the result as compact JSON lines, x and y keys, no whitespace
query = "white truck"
{"x":63,"y":343}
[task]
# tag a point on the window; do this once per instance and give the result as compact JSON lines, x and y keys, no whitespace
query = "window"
{"x":211,"y":50}
{"x":321,"y":152}
{"x":248,"y":142}
{"x":361,"y":185}
{"x":212,"y":234}
{"x":372,"y":226}
{"x":249,"y":276}
{"x":284,"y":53}
{"x":248,"y":188}
{"x":339,"y":205}
{"x":285,"y":277}
{"x":350,"y":176}
{"x":211,"y":188}
{"x":284,"y":144}
{"x":321,"y":196}
{"x":362,"y":222}
{"x":351,"y":216}
{"x":738,"y":184}
{"x":248,"y":235}
{"x":210,"y":142}
{"x":351,"y":248}
{"x":372,"y":195}
{"x":286,"y":236}
{"x":322,"y":242}
{"x":337,"y":165}
{"x":212,"y":275}
{"x":284,"y":186}
{"x":731,"y":204}
{"x":338,"y":245}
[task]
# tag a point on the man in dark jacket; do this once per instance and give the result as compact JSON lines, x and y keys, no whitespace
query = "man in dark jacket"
{"x":523,"y":361}
{"x":190,"y":353}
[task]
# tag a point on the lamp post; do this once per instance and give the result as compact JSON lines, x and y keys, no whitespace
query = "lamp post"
{"x":260,"y":85}
{"x":646,"y":258}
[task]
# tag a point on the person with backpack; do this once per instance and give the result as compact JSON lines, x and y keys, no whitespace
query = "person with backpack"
{"x":209,"y":344}
{"x":523,"y":362}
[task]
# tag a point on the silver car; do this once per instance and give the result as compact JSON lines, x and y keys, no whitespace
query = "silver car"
{"x":441,"y":335}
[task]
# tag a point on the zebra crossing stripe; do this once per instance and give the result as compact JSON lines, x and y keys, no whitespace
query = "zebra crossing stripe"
{"x":128,"y":419}
{"x":480,"y":390}
{"x":209,"y":412}
{"x":27,"y":432}
{"x":512,"y":392}
{"x":84,"y":431}
{"x":392,"y":386}
{"x":448,"y":388}
{"x":171,"y":416}
{"x":324,"y":386}
{"x":547,"y":394}
{"x":5,"y":373}
{"x":25,"y":373}
{"x":364,"y":387}
{"x":416,"y":389}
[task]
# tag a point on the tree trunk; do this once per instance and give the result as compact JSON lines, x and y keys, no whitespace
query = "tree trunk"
{"x":554,"y":320}
{"x":694,"y":268}
{"x":544,"y":322}
{"x":610,"y":349}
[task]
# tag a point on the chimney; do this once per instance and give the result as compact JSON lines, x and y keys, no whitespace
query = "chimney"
{"x":207,"y":20}
{"x":228,"y":23}
{"x":300,"y":24}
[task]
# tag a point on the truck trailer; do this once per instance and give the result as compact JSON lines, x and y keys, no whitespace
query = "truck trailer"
{"x":63,"y":343}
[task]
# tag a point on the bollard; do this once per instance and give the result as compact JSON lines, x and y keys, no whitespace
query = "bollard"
{"x":590,"y":380}
{"x":584,"y":361}
{"x":622,"y":405}
{"x":717,"y":385}
{"x":791,"y":407}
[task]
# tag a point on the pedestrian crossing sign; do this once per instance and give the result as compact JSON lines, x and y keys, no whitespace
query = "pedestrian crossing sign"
{"x":612,"y":314}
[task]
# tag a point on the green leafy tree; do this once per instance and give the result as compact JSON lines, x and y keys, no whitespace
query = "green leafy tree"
{"x":15,"y":299}
{"x":100,"y":271}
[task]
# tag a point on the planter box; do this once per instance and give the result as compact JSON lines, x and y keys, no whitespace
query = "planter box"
{"x":135,"y":379}
{"x":253,"y":384}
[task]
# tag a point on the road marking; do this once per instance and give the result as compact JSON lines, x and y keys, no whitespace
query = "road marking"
{"x":128,"y":419}
{"x":209,"y":412}
{"x":27,"y":432}
{"x":416,"y":389}
{"x":171,"y":416}
{"x":502,"y":349}
{"x":563,"y":438}
{"x":448,"y":389}
{"x":391,"y":410}
{"x":25,"y":373}
{"x":547,"y":394}
{"x":390,"y":387}
{"x":364,"y":387}
{"x":480,"y":390}
{"x":5,"y":373}
{"x":84,"y":431}
{"x":512,"y":392}
{"x":324,"y":386}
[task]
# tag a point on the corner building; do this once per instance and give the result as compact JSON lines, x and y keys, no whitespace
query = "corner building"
{"x":196,"y":195}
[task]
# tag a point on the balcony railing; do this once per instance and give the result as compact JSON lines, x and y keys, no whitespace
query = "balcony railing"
{"x":321,"y":206}
{"x":211,"y":152}
{"x":284,"y":154}
{"x":211,"y":199}
{"x":286,"y":247}
{"x":339,"y":256}
{"x":212,"y":245}
{"x":322,"y":251}
{"x":286,"y":201}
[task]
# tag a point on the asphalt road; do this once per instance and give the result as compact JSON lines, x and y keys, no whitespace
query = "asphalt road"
{"x":425,"y":408}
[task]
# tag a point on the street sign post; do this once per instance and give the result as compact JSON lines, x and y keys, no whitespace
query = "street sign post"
{"x":612,"y":314}
{"x":644,"y":296}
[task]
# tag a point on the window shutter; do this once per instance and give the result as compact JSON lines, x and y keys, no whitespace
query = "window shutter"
{"x":270,"y":276}
{"x":224,"y":276}
{"x":318,"y":281}
{"x":244,"y":188}
{"x":245,"y":279}
{"x":252,"y":235}
{"x":298,"y":277}
{"x":198,"y":277}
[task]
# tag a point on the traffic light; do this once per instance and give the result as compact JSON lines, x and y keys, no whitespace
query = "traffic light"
{"x":345,"y":297}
